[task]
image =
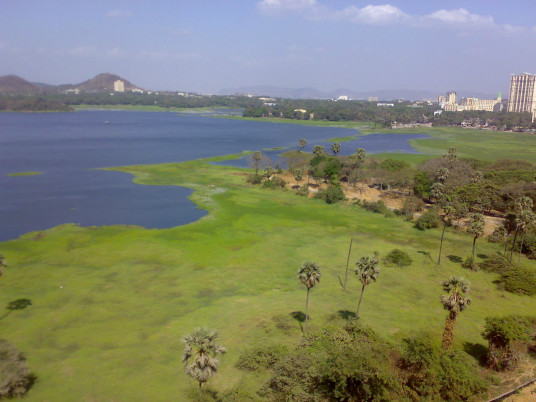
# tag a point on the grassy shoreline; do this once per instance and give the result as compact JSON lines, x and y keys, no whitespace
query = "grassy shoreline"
{"x":234,"y":270}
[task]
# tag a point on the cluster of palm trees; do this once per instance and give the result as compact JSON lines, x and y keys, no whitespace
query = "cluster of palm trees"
{"x":366,"y":270}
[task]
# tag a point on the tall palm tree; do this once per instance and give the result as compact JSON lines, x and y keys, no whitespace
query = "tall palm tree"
{"x":302,"y":142}
{"x":522,"y":203}
{"x":335,"y":148}
{"x":524,"y":222}
{"x":367,"y":271}
{"x":319,"y":150}
{"x":256,"y":156}
{"x":360,"y":154}
{"x":451,"y":155}
{"x":437,"y":191}
{"x":455,"y":301}
{"x":476,"y":228}
{"x":309,"y":275}
{"x":442,"y":174}
{"x":200,"y":351}
{"x":3,"y":264}
{"x":453,"y":210}
{"x":298,"y":176}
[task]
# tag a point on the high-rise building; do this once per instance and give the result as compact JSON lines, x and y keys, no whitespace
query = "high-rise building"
{"x":522,"y":93}
{"x":119,"y":86}
{"x":451,"y":98}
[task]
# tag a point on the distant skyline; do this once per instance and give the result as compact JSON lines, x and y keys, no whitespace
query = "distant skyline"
{"x":206,"y":46}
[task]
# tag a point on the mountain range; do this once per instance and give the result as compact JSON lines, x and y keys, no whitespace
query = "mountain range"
{"x":312,"y":93}
{"x":13,"y":84}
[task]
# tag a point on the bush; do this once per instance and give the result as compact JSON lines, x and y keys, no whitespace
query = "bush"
{"x":261,"y":357}
{"x":331,"y":195}
{"x":429,"y":220}
{"x":497,"y":263}
{"x":433,"y":372}
{"x":520,"y":280}
{"x":15,"y":378}
{"x":274,"y":183}
{"x":254,"y":178}
{"x":350,"y":363}
{"x":411,"y":205}
{"x":303,"y":190}
{"x":378,"y":207}
{"x":506,"y":336}
{"x":399,"y":258}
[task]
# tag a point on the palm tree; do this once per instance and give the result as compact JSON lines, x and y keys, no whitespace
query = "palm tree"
{"x":360,"y":154}
{"x":524,"y":222}
{"x":451,"y":155}
{"x":319,"y":150}
{"x":442,"y":174}
{"x":453,"y":210}
{"x":335,"y":148}
{"x":522,"y":203}
{"x":298,"y":176}
{"x":302,"y":142}
{"x":455,"y":301}
{"x":3,"y":264}
{"x":367,"y":271}
{"x":256,"y":156}
{"x":200,"y":351}
{"x":476,"y":228}
{"x":309,"y":275}
{"x":437,"y":191}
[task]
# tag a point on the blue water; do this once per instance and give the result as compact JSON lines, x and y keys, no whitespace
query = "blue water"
{"x":67,"y":147}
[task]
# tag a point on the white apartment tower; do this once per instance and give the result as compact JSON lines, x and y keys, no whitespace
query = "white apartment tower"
{"x":119,"y":86}
{"x":522,"y":93}
{"x":451,"y":98}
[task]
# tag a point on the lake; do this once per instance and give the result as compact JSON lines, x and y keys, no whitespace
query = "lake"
{"x":67,"y":147}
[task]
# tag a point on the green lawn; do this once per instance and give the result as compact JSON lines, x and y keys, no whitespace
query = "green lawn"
{"x":110,"y":304}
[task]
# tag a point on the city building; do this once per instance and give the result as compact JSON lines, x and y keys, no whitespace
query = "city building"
{"x":522,"y":93}
{"x":449,"y":103}
{"x":119,"y":86}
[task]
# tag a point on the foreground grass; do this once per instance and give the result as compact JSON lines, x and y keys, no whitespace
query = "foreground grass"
{"x":110,"y":304}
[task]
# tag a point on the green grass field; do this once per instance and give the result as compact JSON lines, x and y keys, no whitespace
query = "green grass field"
{"x":110,"y":304}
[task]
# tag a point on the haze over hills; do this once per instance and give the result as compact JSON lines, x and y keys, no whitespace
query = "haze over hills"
{"x":312,"y":93}
{"x":13,"y":84}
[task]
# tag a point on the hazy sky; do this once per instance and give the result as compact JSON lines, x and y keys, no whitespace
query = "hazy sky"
{"x":207,"y":45}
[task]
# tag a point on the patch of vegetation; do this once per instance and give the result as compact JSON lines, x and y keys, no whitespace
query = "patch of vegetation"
{"x":261,"y":357}
{"x":429,"y":220}
{"x":399,"y":258}
{"x":15,"y":377}
{"x":24,"y":174}
{"x":520,"y":280}
{"x":331,"y":195}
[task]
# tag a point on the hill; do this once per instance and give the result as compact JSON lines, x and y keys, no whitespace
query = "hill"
{"x":101,"y":83}
{"x":13,"y":84}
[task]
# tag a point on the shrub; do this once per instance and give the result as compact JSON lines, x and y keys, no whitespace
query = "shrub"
{"x":497,"y":263}
{"x":520,"y":280}
{"x":433,"y":372}
{"x":303,"y":190}
{"x":468,"y":263}
{"x":430,"y":219}
{"x":15,"y":378}
{"x":274,"y":183}
{"x":378,"y":207}
{"x":399,"y":258}
{"x":264,"y":356}
{"x":505,"y":336}
{"x":411,"y":205}
{"x":498,"y":235}
{"x":331,"y":195}
{"x":254,"y":178}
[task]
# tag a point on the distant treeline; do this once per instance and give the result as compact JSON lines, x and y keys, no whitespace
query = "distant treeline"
{"x":61,"y":102}
{"x":404,"y":112}
{"x":401,"y":112}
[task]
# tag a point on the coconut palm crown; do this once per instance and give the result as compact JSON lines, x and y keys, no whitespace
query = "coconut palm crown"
{"x":309,"y":274}
{"x":200,"y":351}
{"x":367,"y":270}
